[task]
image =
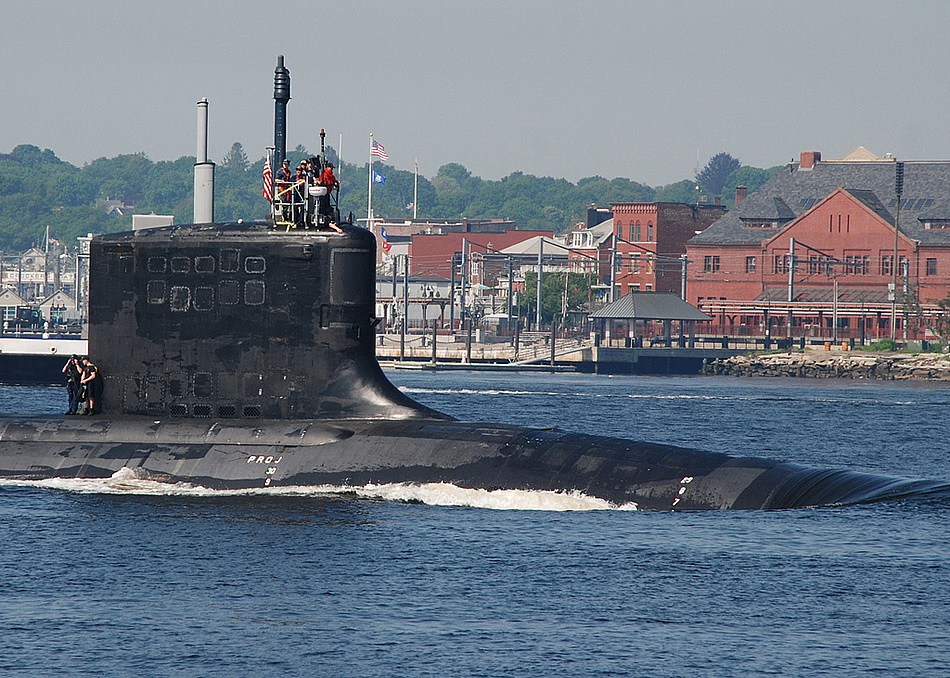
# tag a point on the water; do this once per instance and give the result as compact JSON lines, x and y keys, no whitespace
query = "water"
{"x":211,"y":584}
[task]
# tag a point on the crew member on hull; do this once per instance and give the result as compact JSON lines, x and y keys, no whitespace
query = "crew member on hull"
{"x":284,"y":179}
{"x":74,"y":374}
{"x":329,"y":181}
{"x":93,"y":383}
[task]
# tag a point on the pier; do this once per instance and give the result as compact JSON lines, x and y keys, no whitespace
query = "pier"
{"x":581,"y":355}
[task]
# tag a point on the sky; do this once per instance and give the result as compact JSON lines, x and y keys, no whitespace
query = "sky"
{"x":627,"y":88}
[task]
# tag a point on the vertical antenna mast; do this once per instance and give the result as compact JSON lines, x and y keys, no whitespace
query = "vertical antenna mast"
{"x":281,"y":97}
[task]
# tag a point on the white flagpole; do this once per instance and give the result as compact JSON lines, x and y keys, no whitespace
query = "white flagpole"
{"x":369,"y":202}
{"x":415,"y":191}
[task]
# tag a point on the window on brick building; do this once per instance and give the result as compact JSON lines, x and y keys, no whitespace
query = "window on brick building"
{"x":750,"y":264}
{"x":857,"y":264}
{"x":931,"y":266}
{"x":635,"y":235}
{"x":887,"y":264}
{"x":711,"y":263}
{"x":650,"y":233}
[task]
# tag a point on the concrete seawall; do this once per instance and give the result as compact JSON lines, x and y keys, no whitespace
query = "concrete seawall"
{"x":835,"y":365}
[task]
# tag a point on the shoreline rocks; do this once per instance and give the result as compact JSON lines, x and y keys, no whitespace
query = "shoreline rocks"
{"x":836,"y":365}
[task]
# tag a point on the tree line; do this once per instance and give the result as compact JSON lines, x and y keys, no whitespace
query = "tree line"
{"x":38,"y":189}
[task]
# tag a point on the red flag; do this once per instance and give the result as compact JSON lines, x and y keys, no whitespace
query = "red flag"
{"x":268,"y":190}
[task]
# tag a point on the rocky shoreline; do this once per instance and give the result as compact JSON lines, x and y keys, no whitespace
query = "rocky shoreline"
{"x":836,"y":365}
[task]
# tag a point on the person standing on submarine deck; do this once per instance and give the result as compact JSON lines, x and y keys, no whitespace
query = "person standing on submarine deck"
{"x":73,"y":373}
{"x":329,"y":181}
{"x":92,"y":380}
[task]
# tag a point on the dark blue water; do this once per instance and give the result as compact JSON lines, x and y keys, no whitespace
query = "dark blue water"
{"x":124,"y":584}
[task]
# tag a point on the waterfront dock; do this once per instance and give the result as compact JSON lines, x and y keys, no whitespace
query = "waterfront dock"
{"x":577,"y":355}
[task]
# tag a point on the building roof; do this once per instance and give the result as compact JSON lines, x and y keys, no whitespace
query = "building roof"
{"x":552,"y":248}
{"x":793,"y":191}
{"x":603,"y":230}
{"x":10,"y":298}
{"x":650,"y":306}
{"x":59,"y":296}
{"x":825,"y":295}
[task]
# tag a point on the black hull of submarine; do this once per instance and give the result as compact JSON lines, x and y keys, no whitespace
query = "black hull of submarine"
{"x":229,"y":455}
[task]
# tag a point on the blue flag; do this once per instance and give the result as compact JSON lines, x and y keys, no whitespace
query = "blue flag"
{"x":378,"y":178}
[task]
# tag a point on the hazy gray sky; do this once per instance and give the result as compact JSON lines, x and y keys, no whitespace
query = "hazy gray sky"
{"x":555,"y":88}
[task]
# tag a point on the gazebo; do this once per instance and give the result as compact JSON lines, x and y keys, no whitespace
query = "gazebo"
{"x":650,"y":306}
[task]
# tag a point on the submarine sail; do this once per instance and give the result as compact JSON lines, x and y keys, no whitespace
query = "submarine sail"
{"x":241,"y":355}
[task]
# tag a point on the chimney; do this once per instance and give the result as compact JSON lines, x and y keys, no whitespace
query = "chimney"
{"x":717,"y":201}
{"x":741,"y":192}
{"x":808,"y":160}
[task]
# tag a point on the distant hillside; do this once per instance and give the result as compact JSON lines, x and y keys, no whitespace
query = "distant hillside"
{"x":37,"y":190}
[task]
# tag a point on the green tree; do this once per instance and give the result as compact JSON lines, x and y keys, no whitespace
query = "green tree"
{"x":942,"y":320}
{"x":682,"y":191}
{"x":236,"y":159}
{"x":554,"y":287}
{"x":715,"y":174}
{"x":168,"y":186}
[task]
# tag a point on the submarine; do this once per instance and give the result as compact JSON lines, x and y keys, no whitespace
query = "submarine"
{"x":241,"y":356}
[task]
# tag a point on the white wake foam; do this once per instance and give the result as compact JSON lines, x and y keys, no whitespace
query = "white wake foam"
{"x":129,"y":481}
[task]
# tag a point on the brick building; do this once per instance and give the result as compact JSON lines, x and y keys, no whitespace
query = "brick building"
{"x":811,"y":252}
{"x":431,"y":255}
{"x":651,"y":241}
{"x":399,"y":233}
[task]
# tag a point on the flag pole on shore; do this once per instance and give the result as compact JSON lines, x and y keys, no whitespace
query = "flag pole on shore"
{"x":376,"y":150}
{"x":369,"y":201}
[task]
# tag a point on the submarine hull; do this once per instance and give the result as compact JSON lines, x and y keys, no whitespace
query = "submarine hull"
{"x":357,"y":453}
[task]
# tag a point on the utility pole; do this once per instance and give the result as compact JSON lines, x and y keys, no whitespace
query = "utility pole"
{"x":452,"y":295}
{"x":613,"y":267}
{"x":510,"y":289}
{"x":791,"y":284}
{"x":405,"y":306}
{"x":834,"y":307}
{"x":540,"y":266}
{"x":465,"y":319}
{"x":899,"y":190}
{"x":395,"y":274}
{"x":464,"y":292}
{"x":683,"y":278}
{"x":905,"y":273}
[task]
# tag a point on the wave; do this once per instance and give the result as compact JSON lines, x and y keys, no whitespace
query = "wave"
{"x":653,"y":396}
{"x":128,"y":481}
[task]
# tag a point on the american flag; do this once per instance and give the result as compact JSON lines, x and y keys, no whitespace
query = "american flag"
{"x":268,"y":178}
{"x":379,"y":151}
